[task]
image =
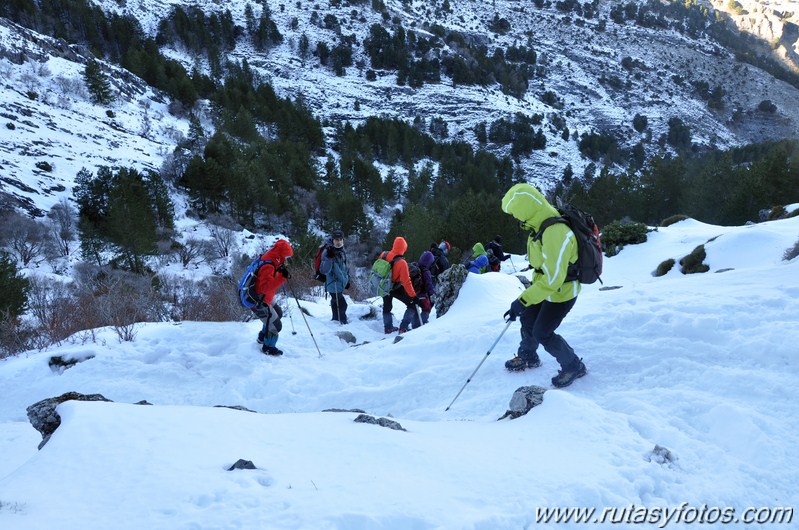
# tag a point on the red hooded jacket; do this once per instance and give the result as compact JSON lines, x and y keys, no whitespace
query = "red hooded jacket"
{"x":399,"y":271}
{"x":269,"y":280}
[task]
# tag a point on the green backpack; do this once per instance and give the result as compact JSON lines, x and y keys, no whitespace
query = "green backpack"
{"x":380,"y":283}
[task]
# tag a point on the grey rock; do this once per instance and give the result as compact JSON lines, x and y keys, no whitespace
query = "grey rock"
{"x":45,"y":419}
{"x":383,"y":422}
{"x":661,"y":455}
{"x":449,"y":285}
{"x":523,"y":400}
{"x":346,"y":336}
{"x":234,"y":407}
{"x":242,"y":464}
{"x":59,"y":363}
{"x":372,"y":314}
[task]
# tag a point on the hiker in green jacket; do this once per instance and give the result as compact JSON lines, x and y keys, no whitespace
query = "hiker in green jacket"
{"x":479,"y":250}
{"x":543,"y":306}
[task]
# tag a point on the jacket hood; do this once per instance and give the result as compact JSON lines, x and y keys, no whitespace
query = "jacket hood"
{"x":478,"y":249}
{"x":279,"y":252}
{"x":528,"y":205}
{"x":399,"y":247}
{"x":426,"y":259}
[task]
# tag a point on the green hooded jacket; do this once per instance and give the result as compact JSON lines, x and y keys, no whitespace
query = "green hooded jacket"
{"x":550,"y":255}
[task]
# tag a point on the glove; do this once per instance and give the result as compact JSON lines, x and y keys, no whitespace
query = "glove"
{"x":415,"y":300}
{"x":516,"y":308}
{"x":331,"y":252}
{"x":284,"y":271}
{"x":347,"y":286}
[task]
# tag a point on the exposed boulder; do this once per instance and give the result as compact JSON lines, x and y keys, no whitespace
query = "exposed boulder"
{"x":448,"y":287}
{"x":663,"y":456}
{"x":242,"y":464}
{"x":235,"y":407}
{"x":524,"y":399}
{"x":383,"y":422}
{"x":346,"y":336}
{"x":59,"y":363}
{"x":45,"y":419}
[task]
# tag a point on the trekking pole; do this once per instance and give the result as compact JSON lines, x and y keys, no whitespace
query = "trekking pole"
{"x":305,"y":319}
{"x":481,"y":363}
{"x":286,"y":294}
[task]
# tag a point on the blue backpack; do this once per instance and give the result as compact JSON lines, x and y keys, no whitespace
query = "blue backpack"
{"x":248,"y":298}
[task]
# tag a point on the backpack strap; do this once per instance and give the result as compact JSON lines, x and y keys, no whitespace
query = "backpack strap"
{"x":546,"y":224}
{"x":571,"y":271}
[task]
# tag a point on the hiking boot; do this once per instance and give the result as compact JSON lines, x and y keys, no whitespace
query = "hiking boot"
{"x":260,"y":338}
{"x":271,"y":350}
{"x":402,"y":330}
{"x":391,"y":330}
{"x":567,"y":377}
{"x":518,"y":364}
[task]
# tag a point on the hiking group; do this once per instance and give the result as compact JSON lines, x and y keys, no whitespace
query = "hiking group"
{"x":561,"y":250}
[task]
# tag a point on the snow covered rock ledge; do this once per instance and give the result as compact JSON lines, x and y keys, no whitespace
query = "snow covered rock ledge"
{"x":45,"y":419}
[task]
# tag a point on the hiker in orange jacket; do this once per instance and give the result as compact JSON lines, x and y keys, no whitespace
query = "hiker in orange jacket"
{"x":403,"y":290}
{"x":271,"y":277}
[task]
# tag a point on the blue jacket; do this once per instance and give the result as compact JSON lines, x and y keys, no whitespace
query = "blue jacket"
{"x":478,"y":264}
{"x":336,"y":269}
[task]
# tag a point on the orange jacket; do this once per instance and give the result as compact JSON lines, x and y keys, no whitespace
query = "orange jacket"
{"x":399,"y":271}
{"x":269,"y":280}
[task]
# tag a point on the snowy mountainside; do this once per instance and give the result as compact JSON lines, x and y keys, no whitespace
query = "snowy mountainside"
{"x":47,"y":118}
{"x":702,"y":365}
{"x":585,"y":83}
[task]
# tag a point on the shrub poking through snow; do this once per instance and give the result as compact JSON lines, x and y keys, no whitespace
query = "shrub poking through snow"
{"x":668,"y":221}
{"x":664,"y":267}
{"x":692,"y":263}
{"x":619,"y":233}
{"x":792,"y":252}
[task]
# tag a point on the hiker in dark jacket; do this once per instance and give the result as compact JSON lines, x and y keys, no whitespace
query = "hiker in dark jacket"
{"x":404,"y":291}
{"x":271,"y":277}
{"x":441,"y":262}
{"x":495,"y":246}
{"x":426,"y":301}
{"x":335,"y":267}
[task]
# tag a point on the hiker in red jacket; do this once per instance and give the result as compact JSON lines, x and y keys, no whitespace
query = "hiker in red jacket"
{"x":271,"y":277}
{"x":403,"y":290}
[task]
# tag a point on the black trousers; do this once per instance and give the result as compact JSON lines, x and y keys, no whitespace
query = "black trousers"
{"x":539,"y":323}
{"x":338,"y":304}
{"x":388,"y":304}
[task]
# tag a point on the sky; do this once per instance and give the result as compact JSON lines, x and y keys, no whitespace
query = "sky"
{"x":704,"y":365}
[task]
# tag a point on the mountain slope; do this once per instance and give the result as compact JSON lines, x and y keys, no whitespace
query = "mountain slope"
{"x":592,"y":74}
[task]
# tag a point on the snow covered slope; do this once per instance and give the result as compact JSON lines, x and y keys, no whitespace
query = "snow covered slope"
{"x":704,"y":365}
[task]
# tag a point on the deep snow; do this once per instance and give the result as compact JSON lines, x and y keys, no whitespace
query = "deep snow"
{"x":704,"y":365}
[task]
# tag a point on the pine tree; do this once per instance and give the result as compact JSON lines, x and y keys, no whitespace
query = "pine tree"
{"x":14,"y":287}
{"x":97,"y":83}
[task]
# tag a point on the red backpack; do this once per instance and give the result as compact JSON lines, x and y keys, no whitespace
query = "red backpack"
{"x":318,"y":261}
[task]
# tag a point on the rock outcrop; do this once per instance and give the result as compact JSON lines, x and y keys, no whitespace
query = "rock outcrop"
{"x":44,"y":417}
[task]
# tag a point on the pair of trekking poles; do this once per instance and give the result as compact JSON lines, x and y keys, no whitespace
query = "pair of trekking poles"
{"x":293,"y":331}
